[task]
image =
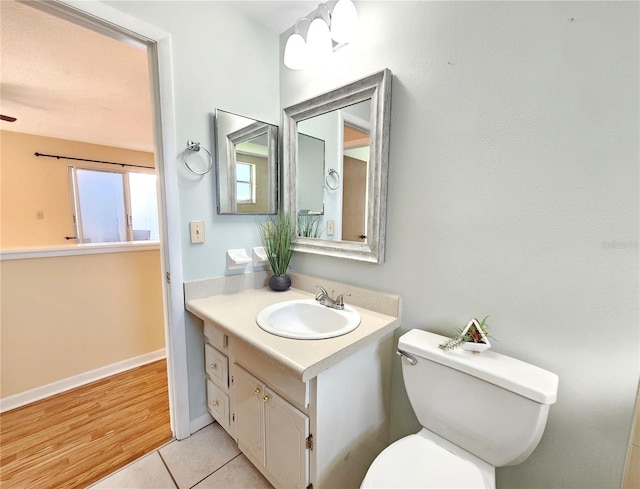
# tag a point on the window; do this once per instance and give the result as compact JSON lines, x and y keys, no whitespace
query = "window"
{"x":245,"y":183}
{"x":114,"y":206}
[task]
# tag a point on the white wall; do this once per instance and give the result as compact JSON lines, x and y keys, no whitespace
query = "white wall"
{"x":513,"y":192}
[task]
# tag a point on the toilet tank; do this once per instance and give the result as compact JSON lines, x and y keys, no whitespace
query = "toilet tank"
{"x":489,"y":404}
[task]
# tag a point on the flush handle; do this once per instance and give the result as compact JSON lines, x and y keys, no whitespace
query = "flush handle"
{"x":409,"y":358}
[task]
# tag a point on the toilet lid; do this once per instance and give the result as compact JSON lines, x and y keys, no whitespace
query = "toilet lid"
{"x":417,"y":462}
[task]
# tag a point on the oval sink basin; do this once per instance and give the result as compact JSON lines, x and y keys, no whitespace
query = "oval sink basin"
{"x":307,"y":320}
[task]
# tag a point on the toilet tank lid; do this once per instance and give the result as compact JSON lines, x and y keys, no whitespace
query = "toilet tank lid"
{"x":509,"y":373}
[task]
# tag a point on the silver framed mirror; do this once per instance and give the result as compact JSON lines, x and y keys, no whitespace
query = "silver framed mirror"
{"x":246,"y":154}
{"x":354,"y":123}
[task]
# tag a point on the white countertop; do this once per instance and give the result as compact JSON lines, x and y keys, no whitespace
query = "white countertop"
{"x":236,"y":313}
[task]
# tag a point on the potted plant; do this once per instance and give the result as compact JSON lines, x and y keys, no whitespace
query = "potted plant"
{"x":278,"y":235}
{"x":474,"y":337}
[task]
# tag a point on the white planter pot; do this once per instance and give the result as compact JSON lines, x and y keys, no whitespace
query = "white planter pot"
{"x":475,"y":347}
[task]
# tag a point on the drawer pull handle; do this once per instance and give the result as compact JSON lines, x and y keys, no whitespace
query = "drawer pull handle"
{"x":257,"y":391}
{"x":265,"y":398}
{"x":214,"y":403}
{"x":213,"y":366}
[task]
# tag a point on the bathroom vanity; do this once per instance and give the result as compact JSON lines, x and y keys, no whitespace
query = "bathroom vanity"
{"x":304,"y":412}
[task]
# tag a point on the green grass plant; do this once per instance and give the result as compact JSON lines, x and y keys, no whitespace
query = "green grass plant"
{"x":278,"y":235}
{"x":309,"y":226}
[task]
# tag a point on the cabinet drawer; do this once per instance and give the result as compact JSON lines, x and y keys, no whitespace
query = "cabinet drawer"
{"x":217,"y":366}
{"x":218,"y":404}
{"x":215,"y":336}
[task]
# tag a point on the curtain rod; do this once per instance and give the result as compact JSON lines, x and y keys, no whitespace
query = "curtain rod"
{"x":93,"y":161}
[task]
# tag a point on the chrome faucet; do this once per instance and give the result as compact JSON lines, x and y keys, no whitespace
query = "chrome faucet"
{"x":325,"y":299}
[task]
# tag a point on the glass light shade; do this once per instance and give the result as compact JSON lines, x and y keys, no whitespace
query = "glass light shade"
{"x":295,"y":52}
{"x":319,"y":41}
{"x":344,"y":22}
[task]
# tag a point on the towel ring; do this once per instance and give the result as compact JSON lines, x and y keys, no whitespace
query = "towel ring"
{"x":332,"y":173}
{"x":195,"y":147}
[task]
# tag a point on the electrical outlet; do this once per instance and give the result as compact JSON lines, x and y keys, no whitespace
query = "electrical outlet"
{"x":330,"y":228}
{"x":197,"y":231}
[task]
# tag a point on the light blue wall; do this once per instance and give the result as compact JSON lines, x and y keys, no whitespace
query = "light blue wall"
{"x":221,"y":59}
{"x":513,"y":189}
{"x":513,"y":192}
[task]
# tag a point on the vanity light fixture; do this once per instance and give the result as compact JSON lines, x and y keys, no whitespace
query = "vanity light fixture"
{"x":295,"y":51}
{"x":326,"y":32}
{"x":344,"y":22}
{"x":319,"y":43}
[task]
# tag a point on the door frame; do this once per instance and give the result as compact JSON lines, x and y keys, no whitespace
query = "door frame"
{"x":109,"y":21}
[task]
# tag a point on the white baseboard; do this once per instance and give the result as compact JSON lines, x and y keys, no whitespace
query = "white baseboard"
{"x":27,"y":397}
{"x":199,"y":423}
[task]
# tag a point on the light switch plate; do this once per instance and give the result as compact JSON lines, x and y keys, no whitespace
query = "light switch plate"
{"x":330,"y":228}
{"x":197,"y":231}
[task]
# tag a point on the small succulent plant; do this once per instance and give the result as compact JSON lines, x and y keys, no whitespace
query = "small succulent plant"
{"x":468,"y":334}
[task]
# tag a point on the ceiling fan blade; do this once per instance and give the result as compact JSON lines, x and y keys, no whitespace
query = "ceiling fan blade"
{"x":7,"y":118}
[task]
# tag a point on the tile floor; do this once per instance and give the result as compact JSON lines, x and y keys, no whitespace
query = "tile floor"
{"x":208,"y":459}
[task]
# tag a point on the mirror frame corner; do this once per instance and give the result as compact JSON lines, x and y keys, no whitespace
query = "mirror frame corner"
{"x":377,"y":88}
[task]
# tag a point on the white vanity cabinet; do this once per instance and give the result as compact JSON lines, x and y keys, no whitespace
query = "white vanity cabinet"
{"x":271,"y":432}
{"x":323,"y":432}
{"x":306,"y":413}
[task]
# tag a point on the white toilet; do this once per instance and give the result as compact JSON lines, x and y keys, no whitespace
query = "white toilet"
{"x":478,"y":412}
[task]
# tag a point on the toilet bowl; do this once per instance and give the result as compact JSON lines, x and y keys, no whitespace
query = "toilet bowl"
{"x":426,"y":460}
{"x":478,"y":412}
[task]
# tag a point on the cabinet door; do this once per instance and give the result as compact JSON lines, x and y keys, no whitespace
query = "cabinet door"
{"x":249,"y":413}
{"x":286,"y":450}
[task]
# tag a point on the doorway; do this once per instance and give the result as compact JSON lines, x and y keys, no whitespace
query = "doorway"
{"x":355,"y":168}
{"x":106,"y":20}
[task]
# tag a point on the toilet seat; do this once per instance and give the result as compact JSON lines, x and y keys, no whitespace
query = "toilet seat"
{"x":425,"y":460}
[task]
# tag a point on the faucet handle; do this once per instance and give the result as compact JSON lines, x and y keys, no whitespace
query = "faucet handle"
{"x":322,"y":294}
{"x":340,"y":299}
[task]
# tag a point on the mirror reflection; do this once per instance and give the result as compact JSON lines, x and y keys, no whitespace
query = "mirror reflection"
{"x":332,"y":174}
{"x":246,"y":161}
{"x":335,"y":165}
{"x":311,"y":164}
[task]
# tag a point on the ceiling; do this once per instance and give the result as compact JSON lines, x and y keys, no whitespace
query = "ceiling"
{"x":277,"y":16}
{"x":84,"y":86}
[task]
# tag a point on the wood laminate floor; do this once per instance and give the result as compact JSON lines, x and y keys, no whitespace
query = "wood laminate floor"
{"x":75,"y":438}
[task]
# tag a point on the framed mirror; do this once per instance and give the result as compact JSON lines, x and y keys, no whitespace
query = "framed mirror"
{"x":246,"y":154}
{"x":353,"y":123}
